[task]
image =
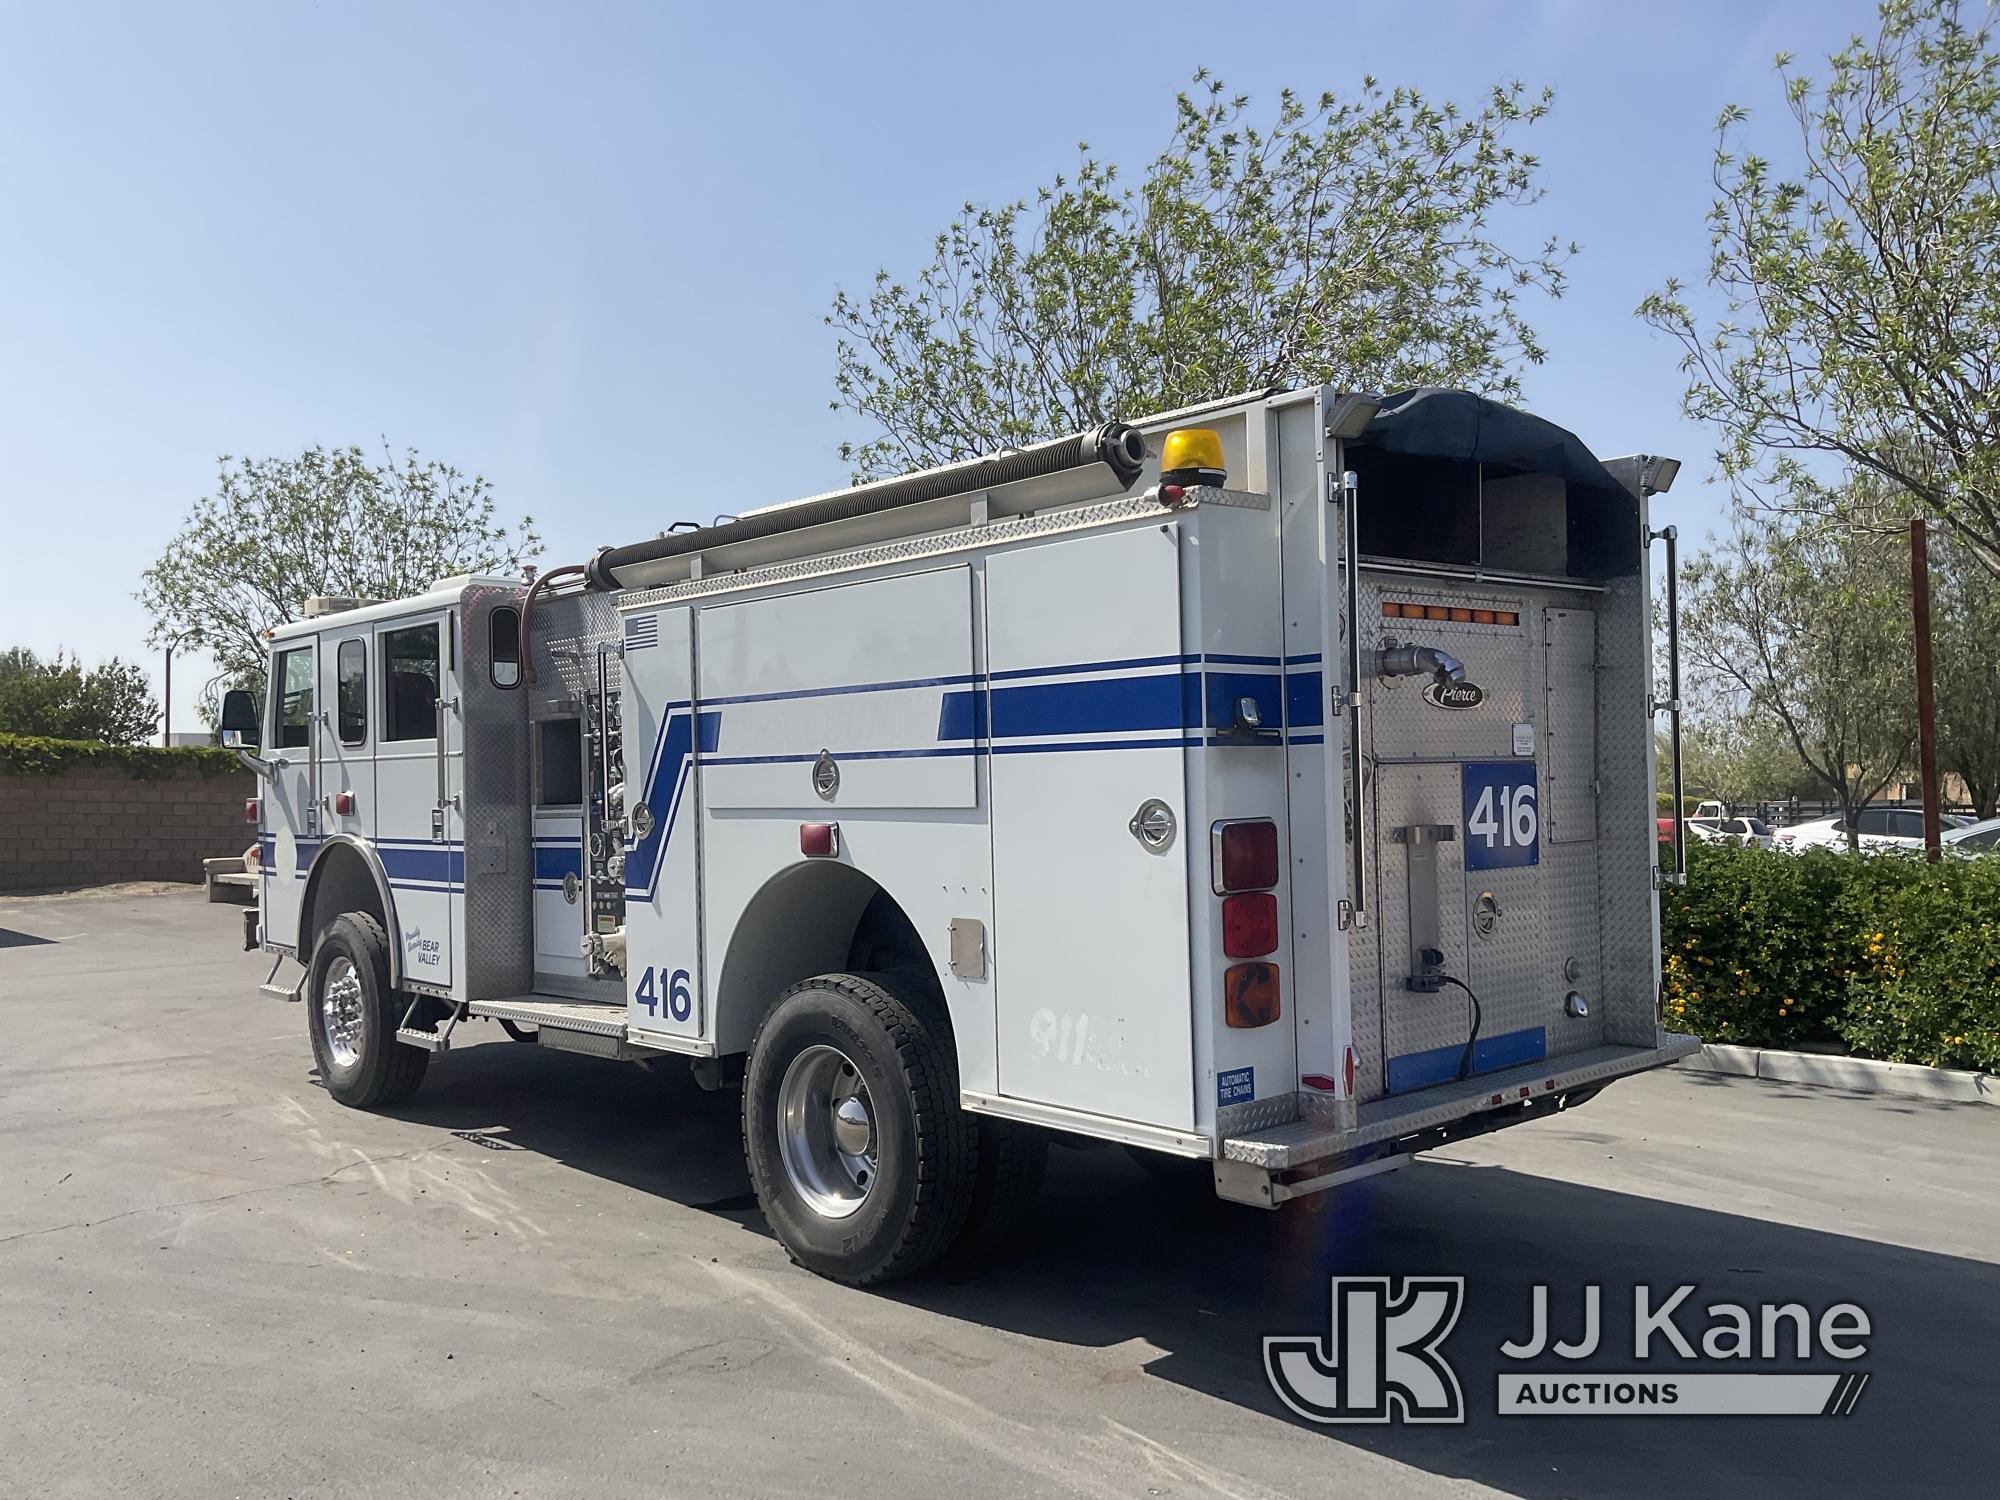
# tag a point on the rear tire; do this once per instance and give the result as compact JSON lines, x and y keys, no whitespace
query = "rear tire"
{"x":861,"y":1157}
{"x":1012,"y":1160}
{"x":352,"y":1015}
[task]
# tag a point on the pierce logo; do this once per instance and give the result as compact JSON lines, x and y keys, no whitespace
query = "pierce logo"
{"x":1454,"y":694}
{"x":1379,"y":1361}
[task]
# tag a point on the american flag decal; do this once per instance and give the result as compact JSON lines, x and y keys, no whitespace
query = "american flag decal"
{"x":641,"y":631}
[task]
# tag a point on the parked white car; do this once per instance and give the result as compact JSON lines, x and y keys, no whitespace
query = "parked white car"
{"x":1974,"y":838}
{"x":1721,"y":830}
{"x":1879,"y":827}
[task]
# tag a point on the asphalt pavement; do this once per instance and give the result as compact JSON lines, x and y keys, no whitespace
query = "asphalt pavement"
{"x":545,"y":1276}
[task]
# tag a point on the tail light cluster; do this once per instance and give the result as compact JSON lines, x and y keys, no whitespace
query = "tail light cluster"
{"x":1244,"y":855}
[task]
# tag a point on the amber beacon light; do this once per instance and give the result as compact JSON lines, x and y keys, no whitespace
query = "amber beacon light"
{"x":1191,"y":456}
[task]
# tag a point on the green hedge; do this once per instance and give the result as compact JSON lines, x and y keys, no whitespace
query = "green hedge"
{"x":31,"y":755}
{"x":1896,"y":958}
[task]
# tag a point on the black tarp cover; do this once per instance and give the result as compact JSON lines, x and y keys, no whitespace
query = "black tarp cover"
{"x":1430,"y":422}
{"x":1457,"y":426}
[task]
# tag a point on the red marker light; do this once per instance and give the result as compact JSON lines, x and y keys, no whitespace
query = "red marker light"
{"x":343,"y":804}
{"x":1249,"y":924}
{"x":252,"y":808}
{"x":819,"y":840}
{"x":1245,"y":853}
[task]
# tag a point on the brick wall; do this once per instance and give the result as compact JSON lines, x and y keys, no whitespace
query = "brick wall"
{"x":97,"y":826}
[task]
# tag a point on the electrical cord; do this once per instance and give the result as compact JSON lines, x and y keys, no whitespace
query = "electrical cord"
{"x":1465,"y":1062}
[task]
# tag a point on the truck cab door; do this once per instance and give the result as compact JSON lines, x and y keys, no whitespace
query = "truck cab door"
{"x":290,"y":829}
{"x":346,"y":743}
{"x":418,"y":830}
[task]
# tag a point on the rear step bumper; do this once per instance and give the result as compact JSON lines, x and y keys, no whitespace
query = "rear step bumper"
{"x":1285,"y":1148}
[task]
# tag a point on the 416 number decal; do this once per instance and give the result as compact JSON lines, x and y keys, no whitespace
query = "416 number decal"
{"x":668,"y":996}
{"x":1503,"y":819}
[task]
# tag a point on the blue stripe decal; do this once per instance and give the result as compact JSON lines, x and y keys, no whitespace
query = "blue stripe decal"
{"x":552,"y":862}
{"x":835,"y":692}
{"x":438,"y":864}
{"x":1130,"y":663}
{"x":1114,"y":705}
{"x":683,"y":734}
{"x":1224,"y":688}
{"x":1303,"y":706}
{"x":1419,"y":1070}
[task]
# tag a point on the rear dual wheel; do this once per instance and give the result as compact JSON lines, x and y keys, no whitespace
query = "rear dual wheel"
{"x":866,"y":1166}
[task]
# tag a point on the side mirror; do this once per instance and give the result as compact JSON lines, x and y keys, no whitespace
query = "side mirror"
{"x":239,"y":720}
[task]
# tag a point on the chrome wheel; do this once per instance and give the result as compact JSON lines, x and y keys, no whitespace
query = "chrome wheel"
{"x":826,"y":1131}
{"x":340,"y":1006}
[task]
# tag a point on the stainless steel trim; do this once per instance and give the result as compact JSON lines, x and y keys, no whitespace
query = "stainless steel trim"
{"x":1301,"y":1144}
{"x":1357,"y":854}
{"x":597,"y":1020}
{"x":1671,"y":536}
{"x":1102,"y":1127}
{"x":1479,"y":575}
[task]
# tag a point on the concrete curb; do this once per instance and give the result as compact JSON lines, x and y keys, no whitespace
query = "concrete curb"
{"x":1858,"y":1074}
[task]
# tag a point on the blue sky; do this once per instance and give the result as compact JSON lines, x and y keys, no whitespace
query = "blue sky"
{"x":586,"y":249}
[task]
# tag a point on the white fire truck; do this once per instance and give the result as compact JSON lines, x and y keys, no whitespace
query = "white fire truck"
{"x":1268,"y":783}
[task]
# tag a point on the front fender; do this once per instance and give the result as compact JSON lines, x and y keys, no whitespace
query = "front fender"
{"x":372,"y":862}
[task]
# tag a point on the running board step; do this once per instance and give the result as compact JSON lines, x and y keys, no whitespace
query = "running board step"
{"x":430,"y":1041}
{"x":280,"y":991}
{"x":580,"y":1026}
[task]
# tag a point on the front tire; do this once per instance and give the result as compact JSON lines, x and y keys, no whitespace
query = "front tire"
{"x":861,"y":1157}
{"x":352,"y":1015}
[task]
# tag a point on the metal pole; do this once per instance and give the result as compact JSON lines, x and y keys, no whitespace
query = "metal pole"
{"x":1920,"y":614}
{"x":167,"y":695}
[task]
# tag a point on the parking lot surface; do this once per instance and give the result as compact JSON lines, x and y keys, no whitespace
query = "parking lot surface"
{"x":545,"y":1275}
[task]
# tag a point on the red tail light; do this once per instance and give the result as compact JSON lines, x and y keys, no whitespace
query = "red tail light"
{"x":1245,"y":855}
{"x":1249,"y":924}
{"x":1250,"y":995}
{"x":253,"y":808}
{"x":343,"y":804}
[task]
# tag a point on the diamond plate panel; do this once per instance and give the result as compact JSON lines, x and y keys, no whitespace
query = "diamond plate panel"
{"x":1569,"y":718}
{"x":1499,"y":658}
{"x":1519,"y":984}
{"x":1576,"y":930}
{"x":1545,"y":673}
{"x":1284,"y":1147}
{"x":499,"y":861}
{"x":1627,"y":848}
{"x":568,"y":628}
{"x":917,"y":548}
{"x":1413,"y":1021}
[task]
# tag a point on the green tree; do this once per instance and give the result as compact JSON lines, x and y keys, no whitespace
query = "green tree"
{"x":335,"y":522}
{"x":1345,"y":240}
{"x":1806,"y":623}
{"x":1858,"y":285}
{"x":110,"y":702}
{"x":1965,"y":640}
{"x":1739,"y":758}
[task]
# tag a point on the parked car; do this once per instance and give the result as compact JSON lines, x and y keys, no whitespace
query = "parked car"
{"x":1879,"y":828}
{"x":1973,"y":838}
{"x":1719,"y":830}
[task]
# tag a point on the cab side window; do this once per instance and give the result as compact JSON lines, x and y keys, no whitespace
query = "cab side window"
{"x":353,"y":692}
{"x":293,"y":711}
{"x":410,"y":683}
